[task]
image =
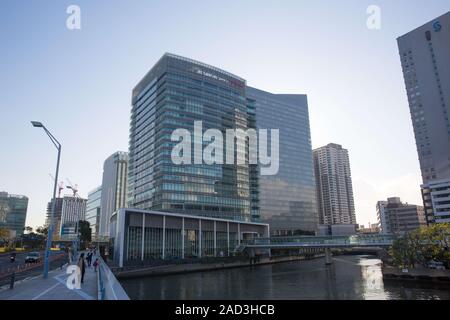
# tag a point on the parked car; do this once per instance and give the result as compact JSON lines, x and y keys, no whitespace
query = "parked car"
{"x":436,"y":265}
{"x":33,"y":257}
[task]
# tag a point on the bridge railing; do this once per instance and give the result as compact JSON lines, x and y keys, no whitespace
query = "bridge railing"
{"x":109,"y":287}
{"x":323,"y":240}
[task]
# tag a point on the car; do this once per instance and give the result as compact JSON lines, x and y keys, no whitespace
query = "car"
{"x":33,"y":257}
{"x":436,"y":265}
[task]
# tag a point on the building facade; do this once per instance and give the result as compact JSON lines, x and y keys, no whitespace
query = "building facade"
{"x":287,"y":200}
{"x":73,"y":210}
{"x":436,"y":199}
{"x":425,"y":60}
{"x":114,"y":188}
{"x":140,"y":235}
{"x":400,"y":217}
{"x":383,"y":218}
{"x":174,"y":94}
{"x":57,"y":216}
{"x":93,"y":206}
{"x":334,"y":185}
{"x":13,"y":213}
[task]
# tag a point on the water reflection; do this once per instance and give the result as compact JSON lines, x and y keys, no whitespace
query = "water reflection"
{"x":349,"y":277}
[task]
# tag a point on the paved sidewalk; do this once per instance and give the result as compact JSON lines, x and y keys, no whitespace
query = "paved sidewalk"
{"x":53,"y":288}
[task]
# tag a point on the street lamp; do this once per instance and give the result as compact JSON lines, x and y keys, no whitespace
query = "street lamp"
{"x":37,"y":124}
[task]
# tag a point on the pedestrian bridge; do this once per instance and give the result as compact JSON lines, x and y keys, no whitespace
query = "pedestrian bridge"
{"x":322,"y":242}
{"x":325,"y":242}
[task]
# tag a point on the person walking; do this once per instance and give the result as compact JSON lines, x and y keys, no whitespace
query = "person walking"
{"x":96,"y":262}
{"x":89,"y":259}
{"x":82,"y":265}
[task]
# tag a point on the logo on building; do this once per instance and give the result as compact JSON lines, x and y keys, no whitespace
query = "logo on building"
{"x":437,"y":26}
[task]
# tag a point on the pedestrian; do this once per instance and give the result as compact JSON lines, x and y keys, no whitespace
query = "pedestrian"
{"x":89,"y":259}
{"x":96,"y":264}
{"x":82,"y":266}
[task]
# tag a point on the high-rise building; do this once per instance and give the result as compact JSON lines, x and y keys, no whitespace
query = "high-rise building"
{"x":287,"y":200}
{"x":114,"y":188}
{"x":73,"y":210}
{"x":93,"y":206}
{"x":174,"y":94}
{"x":57,"y":216}
{"x":334,"y":185}
{"x":425,"y":60}
{"x":179,"y":92}
{"x":13,"y":212}
{"x":399,"y":217}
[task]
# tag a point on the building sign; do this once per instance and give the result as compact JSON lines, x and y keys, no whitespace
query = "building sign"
{"x":437,"y":26}
{"x":209,"y":74}
{"x":232,"y":82}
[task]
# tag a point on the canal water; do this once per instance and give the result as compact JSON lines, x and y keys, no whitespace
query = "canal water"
{"x":349,"y":277}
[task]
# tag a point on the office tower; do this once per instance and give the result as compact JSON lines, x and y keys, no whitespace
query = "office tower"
{"x":57,"y":216}
{"x":334,"y":185}
{"x":114,"y":188}
{"x":287,"y":199}
{"x":73,"y":210}
{"x":383,"y":218}
{"x":400,"y":217}
{"x":93,"y":206}
{"x":174,"y":94}
{"x":13,"y":213}
{"x":425,"y":60}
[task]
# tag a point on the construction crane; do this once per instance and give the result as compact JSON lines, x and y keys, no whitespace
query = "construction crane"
{"x":73,"y":187}
{"x":60,"y":185}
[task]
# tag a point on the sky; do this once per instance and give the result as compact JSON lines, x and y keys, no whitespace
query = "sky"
{"x":78,"y":82}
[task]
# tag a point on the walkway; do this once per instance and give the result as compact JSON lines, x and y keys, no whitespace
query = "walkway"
{"x":53,"y":288}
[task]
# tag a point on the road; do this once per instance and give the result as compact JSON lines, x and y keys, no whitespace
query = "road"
{"x":22,"y":270}
{"x":20,"y":259}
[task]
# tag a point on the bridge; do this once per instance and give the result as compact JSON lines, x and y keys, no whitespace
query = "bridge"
{"x":321,"y":242}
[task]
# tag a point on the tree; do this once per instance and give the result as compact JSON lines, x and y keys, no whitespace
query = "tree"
{"x":422,"y":245}
{"x":28,"y":229}
{"x":42,"y":231}
{"x":4,"y":236}
{"x":85,"y":231}
{"x":7,"y":237}
{"x":33,"y":240}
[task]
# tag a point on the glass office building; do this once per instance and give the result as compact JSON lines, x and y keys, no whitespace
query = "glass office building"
{"x":93,"y":206}
{"x":287,"y":200}
{"x":13,"y":212}
{"x":176,"y":92}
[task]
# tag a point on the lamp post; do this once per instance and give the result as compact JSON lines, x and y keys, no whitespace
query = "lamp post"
{"x":52,"y":218}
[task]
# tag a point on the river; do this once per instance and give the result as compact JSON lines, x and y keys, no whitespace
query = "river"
{"x":349,"y":278}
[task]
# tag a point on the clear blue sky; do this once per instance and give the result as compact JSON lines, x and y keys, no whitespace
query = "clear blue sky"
{"x":79,"y":82}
